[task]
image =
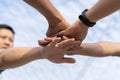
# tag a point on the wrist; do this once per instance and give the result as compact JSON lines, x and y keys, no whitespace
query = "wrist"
{"x":81,"y":25}
{"x":84,"y":19}
{"x":90,"y":16}
{"x":41,"y":53}
{"x":54,"y":20}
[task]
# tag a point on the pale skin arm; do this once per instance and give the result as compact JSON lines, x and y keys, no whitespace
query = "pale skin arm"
{"x":15,"y":57}
{"x":100,"y":49}
{"x":54,"y":18}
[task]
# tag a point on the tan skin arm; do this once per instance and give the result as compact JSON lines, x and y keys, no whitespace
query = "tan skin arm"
{"x":47,"y":9}
{"x":15,"y":57}
{"x":77,"y":30}
{"x":101,"y":9}
{"x":54,"y":18}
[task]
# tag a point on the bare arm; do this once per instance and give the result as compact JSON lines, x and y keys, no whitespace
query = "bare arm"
{"x":53,"y":16}
{"x":102,"y":9}
{"x":15,"y":57}
{"x":47,"y":9}
{"x":100,"y":49}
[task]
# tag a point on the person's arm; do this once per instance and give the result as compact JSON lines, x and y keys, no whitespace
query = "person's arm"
{"x":54,"y":18}
{"x":15,"y":57}
{"x":47,"y":9}
{"x":100,"y":10}
{"x":100,"y":49}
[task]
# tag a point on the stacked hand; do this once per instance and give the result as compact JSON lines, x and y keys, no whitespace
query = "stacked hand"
{"x":53,"y":30}
{"x":58,"y":47}
{"x":76,"y":31}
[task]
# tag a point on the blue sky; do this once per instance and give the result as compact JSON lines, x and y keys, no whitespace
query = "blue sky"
{"x":31,"y":26}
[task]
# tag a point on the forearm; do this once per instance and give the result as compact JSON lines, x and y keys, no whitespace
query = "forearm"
{"x":110,"y":48}
{"x":91,"y":49}
{"x":102,"y":9}
{"x":47,"y":9}
{"x":15,"y":57}
{"x":100,"y":49}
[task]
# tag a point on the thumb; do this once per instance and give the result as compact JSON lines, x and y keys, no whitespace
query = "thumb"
{"x":55,"y":41}
{"x":43,"y":42}
{"x":68,"y":33}
{"x":68,"y":60}
{"x":61,"y":33}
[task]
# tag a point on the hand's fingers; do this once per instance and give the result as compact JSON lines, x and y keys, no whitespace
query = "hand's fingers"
{"x":65,"y":43}
{"x":71,"y":45}
{"x":61,"y":33}
{"x":46,"y":41}
{"x":67,"y":60}
{"x":43,"y":42}
{"x":55,"y":41}
{"x":54,"y":35}
{"x":49,"y":38}
{"x":65,"y":33}
{"x":62,"y":60}
{"x":65,"y":38}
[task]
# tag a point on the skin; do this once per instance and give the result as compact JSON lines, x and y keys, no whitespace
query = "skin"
{"x":55,"y":20}
{"x":99,"y":49}
{"x":6,"y":39}
{"x":77,"y":30}
{"x":98,"y":11}
{"x":15,"y":57}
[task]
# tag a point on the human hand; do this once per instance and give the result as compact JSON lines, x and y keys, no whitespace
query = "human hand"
{"x":56,"y":50}
{"x":78,"y":31}
{"x":54,"y":29}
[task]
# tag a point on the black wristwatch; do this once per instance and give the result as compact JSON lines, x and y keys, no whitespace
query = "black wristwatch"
{"x":84,"y":19}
